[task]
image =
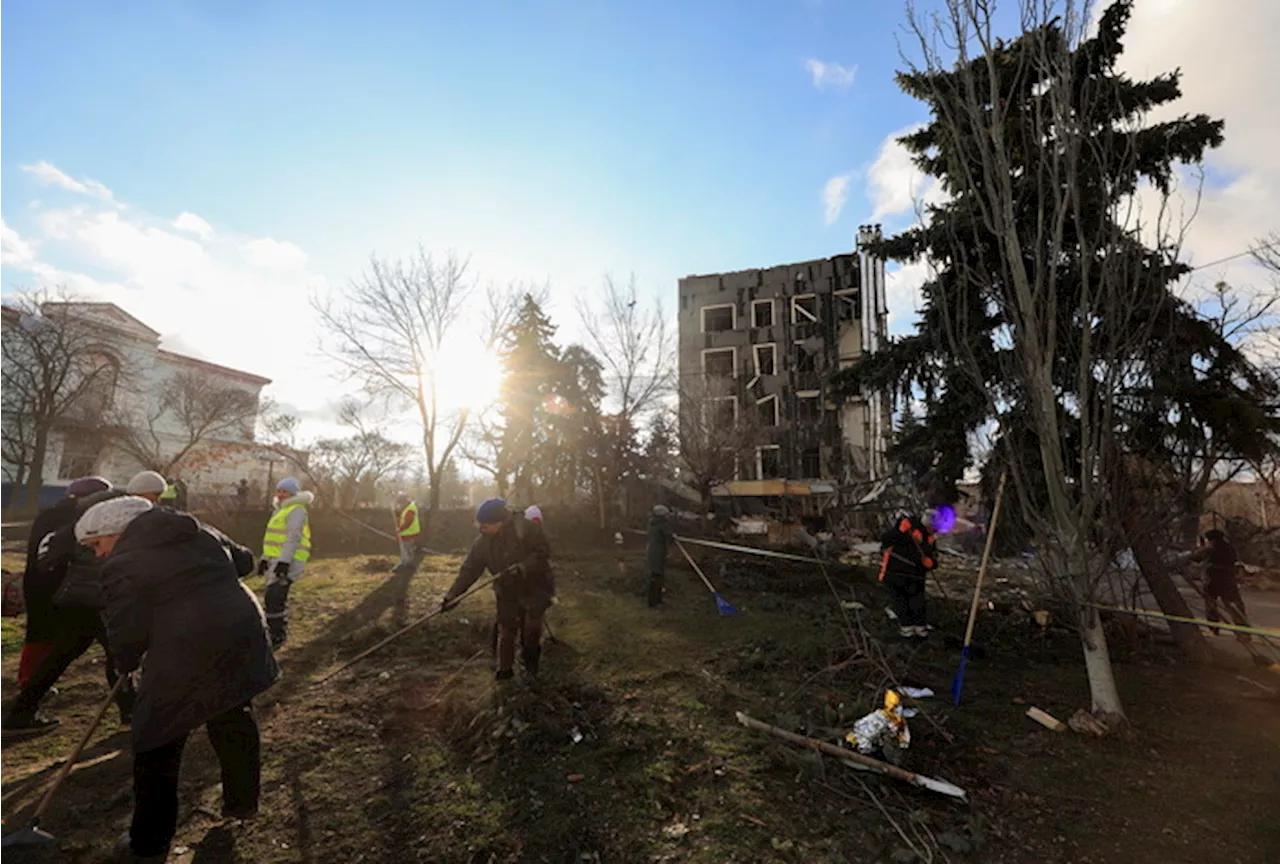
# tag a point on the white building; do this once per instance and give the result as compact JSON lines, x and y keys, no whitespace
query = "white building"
{"x":133,"y":420}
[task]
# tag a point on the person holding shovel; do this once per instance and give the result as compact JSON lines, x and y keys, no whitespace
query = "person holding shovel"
{"x":516,"y":551}
{"x":909,"y":553}
{"x":177,"y":610}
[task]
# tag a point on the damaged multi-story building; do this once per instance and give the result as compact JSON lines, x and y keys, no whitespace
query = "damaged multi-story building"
{"x":768,"y":341}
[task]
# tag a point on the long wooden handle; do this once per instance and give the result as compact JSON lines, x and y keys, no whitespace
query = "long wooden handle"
{"x":986,"y":558}
{"x":831,"y":750}
{"x":696,"y":568}
{"x":75,"y":752}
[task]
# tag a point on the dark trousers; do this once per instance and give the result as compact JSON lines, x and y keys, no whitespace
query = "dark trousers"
{"x":78,"y":629}
{"x":657,"y":583}
{"x":276,"y":605}
{"x":234,"y":736}
{"x":906,"y":594}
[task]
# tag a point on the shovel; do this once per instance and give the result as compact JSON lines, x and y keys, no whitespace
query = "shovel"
{"x":957,"y":683}
{"x":722,"y":605}
{"x":32,"y":836}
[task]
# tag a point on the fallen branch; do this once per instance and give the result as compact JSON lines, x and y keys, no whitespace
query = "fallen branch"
{"x":845,"y":755}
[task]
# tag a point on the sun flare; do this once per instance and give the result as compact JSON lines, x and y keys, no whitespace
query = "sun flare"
{"x":470,"y":378}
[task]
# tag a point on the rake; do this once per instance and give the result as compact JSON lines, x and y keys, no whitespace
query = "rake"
{"x":957,"y":683}
{"x":723,"y":606}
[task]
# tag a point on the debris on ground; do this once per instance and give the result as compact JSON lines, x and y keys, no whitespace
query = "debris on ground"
{"x":881,"y":726}
{"x":1046,"y":720}
{"x":1086,"y":724}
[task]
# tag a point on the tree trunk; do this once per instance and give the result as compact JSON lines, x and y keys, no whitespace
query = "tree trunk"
{"x":1103,"y":695}
{"x":1188,"y":636}
{"x":35,"y":479}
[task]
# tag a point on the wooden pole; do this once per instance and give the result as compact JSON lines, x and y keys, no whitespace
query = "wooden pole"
{"x":986,"y":558}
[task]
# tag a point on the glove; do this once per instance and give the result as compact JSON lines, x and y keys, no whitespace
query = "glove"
{"x":263,"y":565}
{"x":282,"y":569}
{"x":448,"y":603}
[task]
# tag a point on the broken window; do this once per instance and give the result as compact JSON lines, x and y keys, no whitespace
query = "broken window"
{"x":80,"y":454}
{"x":847,"y":303}
{"x":716,"y":319}
{"x":808,"y":410}
{"x":811,"y":463}
{"x":719,"y":362}
{"x":769,"y":462}
{"x":806,"y":362}
{"x":768,"y":410}
{"x":761,"y":313}
{"x":723,"y":412}
{"x":766,"y":359}
{"x":804,"y":308}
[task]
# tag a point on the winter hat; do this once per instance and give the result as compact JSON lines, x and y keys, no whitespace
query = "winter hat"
{"x":146,"y":483}
{"x":87,"y":486}
{"x":661,"y":510}
{"x":533,"y":514}
{"x":110,"y":517}
{"x":289,"y":485}
{"x":491,"y":512}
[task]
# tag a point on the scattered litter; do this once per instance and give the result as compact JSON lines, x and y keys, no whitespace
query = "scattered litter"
{"x":576,"y":778}
{"x":676,"y":830}
{"x":1042,"y":618}
{"x":893,"y":616}
{"x":181,"y":850}
{"x":1048,"y":721}
{"x":384,"y":676}
{"x":575,"y":736}
{"x":753,"y":820}
{"x":851,"y":604}
{"x":1086,"y":724}
{"x":910,"y":712}
{"x":881,"y":725}
{"x":465,"y":622}
{"x":916,"y":692}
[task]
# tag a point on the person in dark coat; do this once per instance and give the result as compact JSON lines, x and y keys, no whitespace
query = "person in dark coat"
{"x":1221,"y":585}
{"x":655,"y":553}
{"x":909,"y":553}
{"x":177,"y":610}
{"x":70,"y":577}
{"x":41,"y":626}
{"x":517,"y":552}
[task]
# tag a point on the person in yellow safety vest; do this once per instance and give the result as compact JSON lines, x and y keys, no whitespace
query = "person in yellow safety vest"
{"x":169,"y":497}
{"x":286,"y":548}
{"x":409,"y":532}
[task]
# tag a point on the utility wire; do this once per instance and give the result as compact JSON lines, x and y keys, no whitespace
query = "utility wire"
{"x":1250,"y":251}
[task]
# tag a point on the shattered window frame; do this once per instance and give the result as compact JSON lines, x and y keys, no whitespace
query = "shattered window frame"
{"x":733,"y":369}
{"x":755,"y":316}
{"x":716,"y":307}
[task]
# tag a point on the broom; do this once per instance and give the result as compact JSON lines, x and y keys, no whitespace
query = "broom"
{"x":722,"y":605}
{"x":957,"y":683}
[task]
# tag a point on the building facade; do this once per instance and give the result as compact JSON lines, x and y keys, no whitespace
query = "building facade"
{"x":767,"y":341}
{"x":133,"y":398}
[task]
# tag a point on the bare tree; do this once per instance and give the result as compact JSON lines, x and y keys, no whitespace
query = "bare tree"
{"x":193,"y":417}
{"x":53,"y":370}
{"x":635,"y":348}
{"x":390,"y":333}
{"x":1049,"y":161}
{"x":716,"y":435}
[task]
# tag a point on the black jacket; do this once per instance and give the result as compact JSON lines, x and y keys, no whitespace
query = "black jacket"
{"x":62,"y":559}
{"x":173,"y":593}
{"x":911,"y":548}
{"x":655,"y":550}
{"x":519,"y":541}
{"x":46,"y":522}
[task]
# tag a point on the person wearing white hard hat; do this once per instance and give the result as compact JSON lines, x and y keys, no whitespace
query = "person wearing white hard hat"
{"x":176,"y":610}
{"x":286,"y":548}
{"x":147,"y":484}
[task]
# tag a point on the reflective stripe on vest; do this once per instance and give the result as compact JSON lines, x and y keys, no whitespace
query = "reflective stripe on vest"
{"x":415,"y":527}
{"x":278,"y":532}
{"x":170,"y":493}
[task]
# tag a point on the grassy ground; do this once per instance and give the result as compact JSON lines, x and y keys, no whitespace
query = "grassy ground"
{"x":406,"y":758}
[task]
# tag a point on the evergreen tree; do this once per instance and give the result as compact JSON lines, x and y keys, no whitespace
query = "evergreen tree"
{"x":1049,"y":305}
{"x":531,"y":369}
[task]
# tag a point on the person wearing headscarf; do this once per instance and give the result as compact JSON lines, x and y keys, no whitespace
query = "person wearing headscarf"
{"x":517,"y":553}
{"x":178,"y":613}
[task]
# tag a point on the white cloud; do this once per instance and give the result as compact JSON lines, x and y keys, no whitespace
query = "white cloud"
{"x":193,"y":224}
{"x":895,"y":186}
{"x":902,"y":283}
{"x":14,"y":251}
{"x":274,"y":254}
{"x":226,"y":298}
{"x":831,"y":74}
{"x":51,"y":175}
{"x":834,"y":195}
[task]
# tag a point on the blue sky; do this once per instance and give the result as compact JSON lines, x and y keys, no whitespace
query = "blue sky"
{"x":211,"y":165}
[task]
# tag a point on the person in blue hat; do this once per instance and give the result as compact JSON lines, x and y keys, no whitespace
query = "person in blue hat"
{"x":517,"y":552}
{"x":286,"y":548}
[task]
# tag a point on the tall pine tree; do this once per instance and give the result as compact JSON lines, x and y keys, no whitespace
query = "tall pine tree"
{"x":531,"y":368}
{"x":1051,"y":299}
